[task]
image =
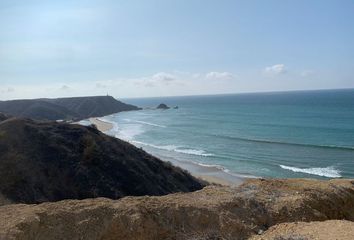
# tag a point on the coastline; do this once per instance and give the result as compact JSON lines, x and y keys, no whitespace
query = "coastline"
{"x":103,"y":126}
{"x":217,"y":180}
{"x":210,"y":174}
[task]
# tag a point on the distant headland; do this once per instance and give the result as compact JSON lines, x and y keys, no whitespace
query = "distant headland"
{"x":73,"y":109}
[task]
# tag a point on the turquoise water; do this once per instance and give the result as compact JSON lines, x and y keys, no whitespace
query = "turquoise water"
{"x":288,"y":134}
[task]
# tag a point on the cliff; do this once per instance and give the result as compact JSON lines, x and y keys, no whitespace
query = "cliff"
{"x":212,"y":213}
{"x":64,"y":108}
{"x":49,"y":161}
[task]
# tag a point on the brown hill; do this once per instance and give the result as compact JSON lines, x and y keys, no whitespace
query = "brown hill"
{"x":326,"y":230}
{"x":3,"y":117}
{"x":64,"y":108}
{"x":49,"y":161}
{"x":211,"y":213}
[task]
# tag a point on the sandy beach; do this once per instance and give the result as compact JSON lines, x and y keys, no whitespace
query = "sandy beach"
{"x":101,"y":125}
{"x":216,"y":180}
{"x":209,"y":174}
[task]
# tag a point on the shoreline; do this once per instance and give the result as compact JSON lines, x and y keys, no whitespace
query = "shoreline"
{"x":102,"y":126}
{"x":210,"y":174}
{"x":216,"y":180}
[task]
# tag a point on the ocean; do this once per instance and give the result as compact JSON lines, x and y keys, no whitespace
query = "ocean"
{"x":281,"y":134}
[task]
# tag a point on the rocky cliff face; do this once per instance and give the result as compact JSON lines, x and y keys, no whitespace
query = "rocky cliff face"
{"x":212,"y":213}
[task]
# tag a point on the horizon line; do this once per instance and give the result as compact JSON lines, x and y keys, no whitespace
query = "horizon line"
{"x":240,"y":93}
{"x":192,"y":95}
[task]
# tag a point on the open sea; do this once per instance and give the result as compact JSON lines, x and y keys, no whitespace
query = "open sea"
{"x":280,"y":134}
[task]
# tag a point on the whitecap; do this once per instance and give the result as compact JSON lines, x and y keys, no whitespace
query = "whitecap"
{"x":150,"y":124}
{"x":329,"y":172}
{"x":178,"y":149}
{"x":194,"y":152}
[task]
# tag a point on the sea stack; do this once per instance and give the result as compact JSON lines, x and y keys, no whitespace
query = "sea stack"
{"x":163,"y":106}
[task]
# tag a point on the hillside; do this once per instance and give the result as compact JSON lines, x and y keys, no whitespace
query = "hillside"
{"x":247,"y":211}
{"x":49,"y":161}
{"x":64,"y":108}
{"x":3,"y":117}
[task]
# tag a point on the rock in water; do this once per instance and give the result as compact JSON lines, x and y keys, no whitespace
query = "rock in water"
{"x":163,"y":106}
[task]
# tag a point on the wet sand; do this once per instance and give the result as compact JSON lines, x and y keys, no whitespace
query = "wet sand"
{"x":101,"y":125}
{"x":210,"y":174}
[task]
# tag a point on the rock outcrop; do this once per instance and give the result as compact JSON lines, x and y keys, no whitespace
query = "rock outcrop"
{"x":162,"y":106}
{"x":49,"y":161}
{"x":212,"y":213}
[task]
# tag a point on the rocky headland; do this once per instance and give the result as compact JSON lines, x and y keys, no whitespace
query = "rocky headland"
{"x":74,"y":108}
{"x":254,"y":210}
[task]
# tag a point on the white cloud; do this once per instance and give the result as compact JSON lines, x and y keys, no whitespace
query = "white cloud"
{"x":275,"y":69}
{"x":64,"y":88}
{"x":7,"y":90}
{"x":149,"y":84}
{"x":10,"y":89}
{"x":196,"y":75}
{"x":159,"y":84}
{"x":307,"y":73}
{"x":219,"y":75}
{"x":163,"y":77}
{"x":157,"y":79}
{"x":101,"y":85}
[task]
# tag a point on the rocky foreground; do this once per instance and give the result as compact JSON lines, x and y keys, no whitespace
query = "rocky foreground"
{"x":330,"y":229}
{"x":258,"y":209}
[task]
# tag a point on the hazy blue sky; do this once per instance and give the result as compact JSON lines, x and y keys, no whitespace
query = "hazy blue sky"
{"x":158,"y":48}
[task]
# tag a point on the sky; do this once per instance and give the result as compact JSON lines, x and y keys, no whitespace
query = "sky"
{"x":62,"y":48}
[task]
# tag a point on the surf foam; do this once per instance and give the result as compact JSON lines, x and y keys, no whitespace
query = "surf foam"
{"x":178,"y":149}
{"x":329,"y":172}
{"x":150,"y":124}
{"x":145,"y":123}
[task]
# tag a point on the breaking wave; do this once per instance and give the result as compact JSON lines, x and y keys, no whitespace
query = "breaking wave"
{"x":329,"y":172}
{"x":178,"y":149}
